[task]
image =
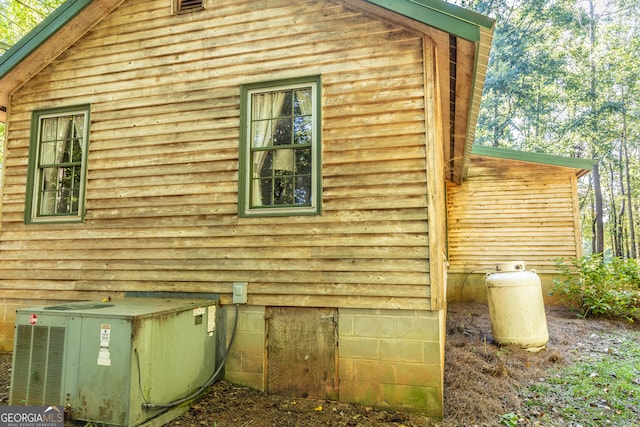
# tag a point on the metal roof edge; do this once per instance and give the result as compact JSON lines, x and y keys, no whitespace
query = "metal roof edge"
{"x":526,"y":156}
{"x":40,"y":33}
{"x":462,"y":23}
{"x":444,"y":16}
{"x":483,"y":48}
{"x":460,"y":12}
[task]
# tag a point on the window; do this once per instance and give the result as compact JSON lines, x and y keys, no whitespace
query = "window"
{"x":57,"y":165}
{"x":280,"y":148}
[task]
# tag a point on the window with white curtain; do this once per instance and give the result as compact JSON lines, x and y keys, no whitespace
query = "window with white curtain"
{"x":57,"y":165}
{"x":280,"y":148}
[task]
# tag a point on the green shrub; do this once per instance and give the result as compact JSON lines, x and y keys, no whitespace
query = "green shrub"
{"x":593,"y":286}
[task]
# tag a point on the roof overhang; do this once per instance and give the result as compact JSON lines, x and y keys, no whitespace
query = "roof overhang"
{"x":581,"y":166}
{"x":63,"y":27}
{"x":441,"y":15}
{"x":466,"y":52}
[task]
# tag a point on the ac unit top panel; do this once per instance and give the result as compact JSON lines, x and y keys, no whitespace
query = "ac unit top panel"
{"x":126,"y":308}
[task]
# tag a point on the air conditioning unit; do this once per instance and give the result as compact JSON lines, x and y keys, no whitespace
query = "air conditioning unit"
{"x":112,"y":362}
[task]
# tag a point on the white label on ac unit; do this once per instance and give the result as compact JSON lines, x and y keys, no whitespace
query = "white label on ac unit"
{"x":105,"y":335}
{"x":211,"y":320}
{"x":104,"y":356}
{"x":198,"y":311}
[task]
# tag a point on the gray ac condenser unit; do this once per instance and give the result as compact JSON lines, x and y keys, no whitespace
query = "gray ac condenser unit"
{"x":104,"y":360}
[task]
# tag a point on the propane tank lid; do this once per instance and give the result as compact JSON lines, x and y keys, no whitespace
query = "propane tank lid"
{"x":510,"y":266}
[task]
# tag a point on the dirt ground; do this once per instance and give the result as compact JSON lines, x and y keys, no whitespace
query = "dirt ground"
{"x":482,"y":380}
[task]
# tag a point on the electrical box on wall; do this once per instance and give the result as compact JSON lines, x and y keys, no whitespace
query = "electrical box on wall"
{"x":103,"y":360}
{"x":240,"y":292}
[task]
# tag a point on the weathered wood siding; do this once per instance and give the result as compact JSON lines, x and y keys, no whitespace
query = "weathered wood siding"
{"x":162,"y":191}
{"x":511,"y":210}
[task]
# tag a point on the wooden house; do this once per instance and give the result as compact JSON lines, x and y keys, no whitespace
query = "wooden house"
{"x":513,"y":206}
{"x":298,"y":146}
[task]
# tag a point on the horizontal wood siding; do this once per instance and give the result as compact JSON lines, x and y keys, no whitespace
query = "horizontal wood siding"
{"x":162,"y":191}
{"x":509,"y":210}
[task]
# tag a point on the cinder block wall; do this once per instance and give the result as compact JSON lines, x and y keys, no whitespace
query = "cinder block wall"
{"x":7,"y":322}
{"x":245,"y":363}
{"x":391,"y":358}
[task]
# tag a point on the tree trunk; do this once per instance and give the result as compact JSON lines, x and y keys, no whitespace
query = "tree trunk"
{"x":598,"y":237}
{"x":613,"y":223}
{"x":620,"y":234}
{"x":632,"y":233}
{"x":615,"y":226}
{"x":597,"y":189}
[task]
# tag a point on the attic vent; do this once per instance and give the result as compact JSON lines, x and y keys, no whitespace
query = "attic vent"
{"x":183,"y":6}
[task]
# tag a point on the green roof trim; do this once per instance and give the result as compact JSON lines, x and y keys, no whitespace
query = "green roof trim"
{"x":444,"y":16}
{"x":525,"y":156}
{"x":45,"y":29}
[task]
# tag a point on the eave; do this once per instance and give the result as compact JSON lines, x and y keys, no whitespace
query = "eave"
{"x":63,"y":27}
{"x":442,"y":16}
{"x":581,"y":166}
{"x":461,"y":93}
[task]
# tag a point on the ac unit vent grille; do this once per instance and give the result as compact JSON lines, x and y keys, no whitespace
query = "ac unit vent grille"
{"x":37,"y":372}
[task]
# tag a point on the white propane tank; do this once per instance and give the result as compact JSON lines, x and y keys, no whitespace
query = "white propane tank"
{"x":516,"y":306}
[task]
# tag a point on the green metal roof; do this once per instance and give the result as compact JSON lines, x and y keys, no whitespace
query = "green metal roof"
{"x":525,"y":156}
{"x":51,"y":24}
{"x":439,"y":14}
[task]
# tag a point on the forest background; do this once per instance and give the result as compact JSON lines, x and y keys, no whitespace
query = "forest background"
{"x":563,"y":79}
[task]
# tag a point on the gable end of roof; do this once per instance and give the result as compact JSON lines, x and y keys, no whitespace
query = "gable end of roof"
{"x":45,"y":29}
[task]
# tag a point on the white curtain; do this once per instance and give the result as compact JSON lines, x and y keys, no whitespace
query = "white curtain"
{"x":284,"y":159}
{"x":304,"y":101}
{"x":264,"y":107}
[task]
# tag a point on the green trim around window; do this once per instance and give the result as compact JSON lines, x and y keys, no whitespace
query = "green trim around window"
{"x":280,"y":148}
{"x":58,"y":148}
